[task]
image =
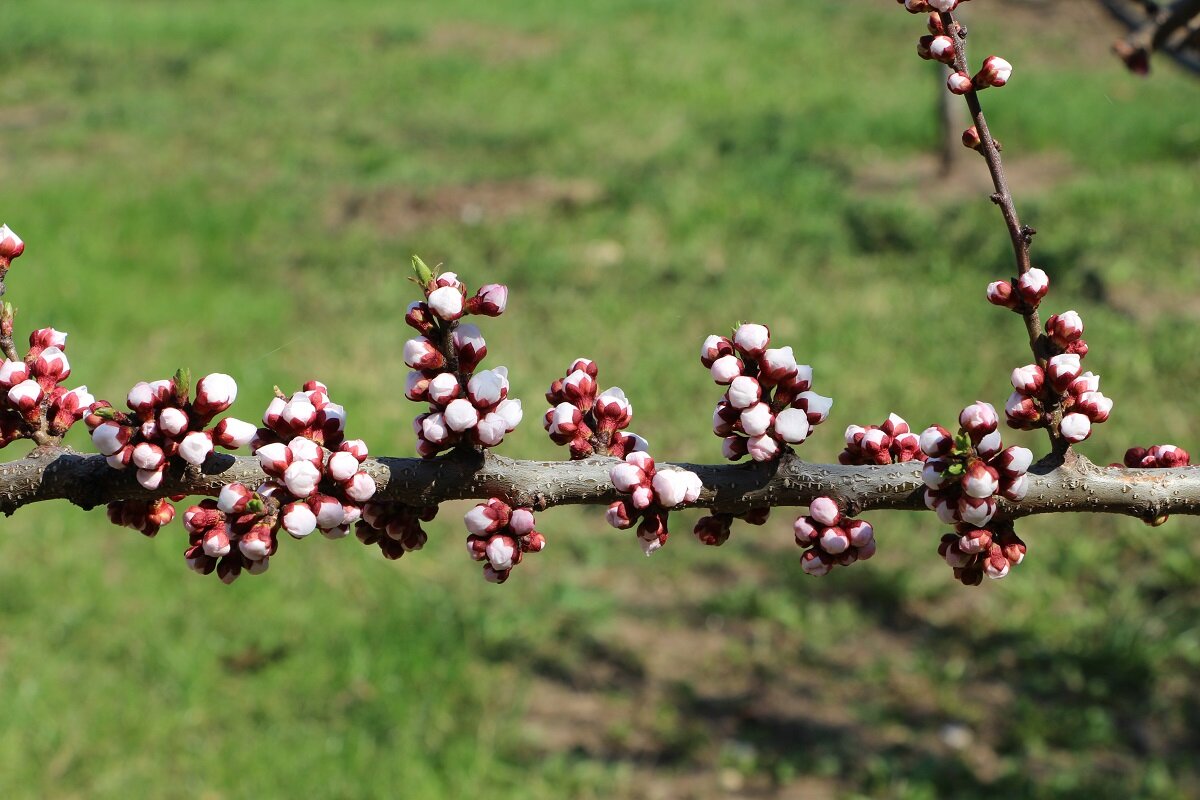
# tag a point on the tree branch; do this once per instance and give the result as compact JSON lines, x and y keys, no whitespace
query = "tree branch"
{"x":1073,"y":485}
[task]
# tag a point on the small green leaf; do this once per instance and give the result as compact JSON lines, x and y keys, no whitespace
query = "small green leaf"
{"x":183,"y":385}
{"x":422,"y":271}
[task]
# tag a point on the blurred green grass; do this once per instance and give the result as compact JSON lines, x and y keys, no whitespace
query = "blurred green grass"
{"x":237,"y":187}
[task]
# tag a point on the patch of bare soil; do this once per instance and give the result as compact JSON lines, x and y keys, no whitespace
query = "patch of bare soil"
{"x":490,"y":44}
{"x":400,"y":209}
{"x":1027,"y":175}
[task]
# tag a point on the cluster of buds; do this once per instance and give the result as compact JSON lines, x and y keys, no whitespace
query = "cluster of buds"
{"x":465,"y":407}
{"x":652,"y":494}
{"x":964,"y":475}
{"x":1024,"y":294}
{"x":994,"y":72}
{"x":164,"y":422}
{"x":499,"y":536}
{"x":144,"y":516}
{"x":31,"y":397}
{"x":232,"y":534}
{"x":587,"y":422}
{"x":303,"y":449}
{"x":890,"y":443}
{"x":769,"y":404}
{"x":395,"y":527}
{"x":830,"y":538}
{"x":713,"y":530}
{"x":973,"y":552}
{"x":1062,"y":383}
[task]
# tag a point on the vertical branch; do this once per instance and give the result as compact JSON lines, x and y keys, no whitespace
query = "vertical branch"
{"x":1020,"y":235}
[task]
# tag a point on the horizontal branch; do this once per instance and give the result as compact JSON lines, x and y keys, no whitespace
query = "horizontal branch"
{"x":1075,"y":484}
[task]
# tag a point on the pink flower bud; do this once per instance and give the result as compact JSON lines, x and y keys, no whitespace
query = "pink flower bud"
{"x":814,"y":564}
{"x":360,"y":488}
{"x":995,"y":72}
{"x":564,"y":419}
{"x":626,"y":477}
{"x":618,"y":515}
{"x":825,"y":511}
{"x":446,"y":302}
{"x":434,"y":429}
{"x":51,"y":367}
{"x":934,"y":474}
{"x":1032,"y":286}
{"x":488,"y":387}
{"x":274,"y":458}
{"x":976,"y":511}
{"x":419,"y":353}
{"x":298,"y":520}
{"x":215,"y":543}
{"x":936,"y":441}
{"x":778,"y":366}
{"x":792,"y":425}
{"x":1014,"y":461}
{"x":109,"y":437}
{"x":150,"y":478}
{"x":735,"y":447}
{"x":148,"y":456}
{"x":441,"y":388}
{"x":923,"y":44}
{"x":11,"y":245}
{"x":303,"y":449}
{"x":195,"y":447}
{"x":342,"y":466}
{"x":1076,"y":427}
{"x":1028,"y":380}
{"x":989,"y":445}
{"x":328,"y":511}
{"x":675,"y":486}
{"x":959,"y":83}
{"x":613,"y":406}
{"x":894,"y":425}
{"x":817,"y":406}
{"x":26,"y":396}
{"x":806,"y":531}
{"x":511,"y":412}
{"x":1064,"y":328}
{"x":725,"y":369}
{"x":743,"y":392}
{"x":875,"y":444}
{"x":298,"y":413}
{"x":980,"y":480}
{"x":974,"y":540}
{"x":483,"y":519}
{"x":1016,"y":488}
{"x":756,"y":419}
{"x":860,"y":532}
{"x":714,"y":347}
{"x":995,"y":565}
{"x":1087,"y":382}
{"x":500,"y":550}
{"x":490,"y":300}
{"x":907,"y":446}
{"x":301,"y":478}
{"x":234,"y":498}
{"x":1095,"y":405}
{"x":1000,"y":293}
{"x":214,"y":393}
{"x":979,"y":418}
{"x":12,"y":373}
{"x":834,"y":540}
{"x":172,"y":421}
{"x":233,"y":433}
{"x":1021,"y":409}
{"x":762,"y":448}
{"x":256,"y":545}
{"x":470,"y":346}
{"x":941,"y":48}
{"x":973,"y":141}
{"x":751,"y":339}
{"x":942,"y":5}
{"x":1062,"y":370}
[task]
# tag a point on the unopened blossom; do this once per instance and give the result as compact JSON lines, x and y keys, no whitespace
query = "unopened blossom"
{"x":830,"y":538}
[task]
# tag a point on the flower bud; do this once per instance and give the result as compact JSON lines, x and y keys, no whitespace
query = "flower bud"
{"x":973,"y":141}
{"x":751,"y":339}
{"x":11,"y":245}
{"x":762,"y":448}
{"x":979,"y":419}
{"x":12,"y":373}
{"x":1032,"y":286}
{"x":446,"y":302}
{"x":298,"y":520}
{"x":420,"y":354}
{"x":1095,"y":405}
{"x":825,"y":511}
{"x":441,"y":388}
{"x":1000,"y":293}
{"x":941,"y":48}
{"x":995,"y":72}
{"x":1062,"y":370}
{"x":1028,"y":380}
{"x":233,"y":434}
{"x":792,"y":425}
{"x":980,"y":480}
{"x":1075,"y":428}
{"x":214,"y":393}
{"x":936,"y":441}
{"x":1064,"y":328}
{"x":815,"y":564}
{"x":959,"y":83}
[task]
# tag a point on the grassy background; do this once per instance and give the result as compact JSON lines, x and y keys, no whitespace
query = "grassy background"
{"x":237,"y":186}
